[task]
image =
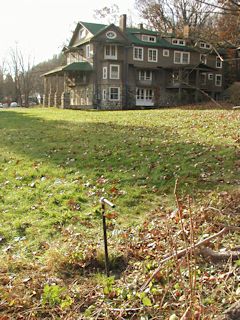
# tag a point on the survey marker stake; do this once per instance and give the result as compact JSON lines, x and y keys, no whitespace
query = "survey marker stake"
{"x":103,"y":202}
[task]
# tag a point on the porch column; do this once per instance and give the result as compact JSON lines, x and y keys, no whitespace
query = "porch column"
{"x":197,"y":86}
{"x":65,"y":100}
{"x":46,"y":91}
{"x":180,"y":85}
{"x":51,"y":94}
{"x":58,"y":92}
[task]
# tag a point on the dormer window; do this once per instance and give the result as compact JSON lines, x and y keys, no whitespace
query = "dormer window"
{"x":204,"y":45}
{"x":148,"y":38}
{"x":179,"y":42}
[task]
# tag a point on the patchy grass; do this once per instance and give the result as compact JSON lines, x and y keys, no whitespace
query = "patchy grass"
{"x":55,"y":166}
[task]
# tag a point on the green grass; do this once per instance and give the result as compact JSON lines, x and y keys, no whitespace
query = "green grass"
{"x":56,"y":164}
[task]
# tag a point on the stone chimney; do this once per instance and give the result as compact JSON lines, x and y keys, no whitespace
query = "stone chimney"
{"x":123,"y":22}
{"x":140,"y":26}
{"x":186,"y":31}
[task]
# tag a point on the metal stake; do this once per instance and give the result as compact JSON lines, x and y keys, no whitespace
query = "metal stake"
{"x":103,"y":202}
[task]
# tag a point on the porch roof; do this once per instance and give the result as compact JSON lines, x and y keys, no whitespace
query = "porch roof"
{"x":75,"y":66}
{"x":200,"y":66}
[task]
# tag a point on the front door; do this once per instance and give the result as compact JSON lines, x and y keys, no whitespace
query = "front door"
{"x":144,"y":97}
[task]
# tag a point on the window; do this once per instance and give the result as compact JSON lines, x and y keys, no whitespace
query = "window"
{"x":114,"y":93}
{"x":218,"y":80}
{"x":177,"y":57}
{"x":137,"y":53}
{"x":140,"y":94}
{"x":152,"y":55}
{"x":210,"y":76}
{"x":149,"y":94}
{"x":181,"y":57}
{"x":111,"y":34}
{"x":179,"y":42}
{"x":175,"y":77}
{"x":104,"y":94}
{"x":148,"y":38}
{"x":165,"y":53}
{"x":203,"y":78}
{"x":144,"y":94}
{"x":82,"y":33}
{"x":88,"y":51}
{"x":105,"y":71}
{"x":204,"y":45}
{"x":114,"y":71}
{"x":185,"y":57}
{"x":110,"y":52}
{"x":145,"y":75}
{"x":203,"y":58}
{"x":218,"y":62}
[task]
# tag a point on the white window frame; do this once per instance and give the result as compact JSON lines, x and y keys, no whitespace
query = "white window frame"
{"x":111,"y":73}
{"x":105,"y":72}
{"x":210,"y":76}
{"x":104,"y":94}
{"x":181,"y":53}
{"x":82,"y":33}
{"x":149,"y":38}
{"x":112,"y":52}
{"x":150,"y":59}
{"x":218,"y":82}
{"x":205,"y":45}
{"x":165,"y":52}
{"x":203,"y":58}
{"x":143,"y":76}
{"x":179,"y":42}
{"x":218,"y":63}
{"x":118,"y":93}
{"x":145,"y":96}
{"x":136,"y":55}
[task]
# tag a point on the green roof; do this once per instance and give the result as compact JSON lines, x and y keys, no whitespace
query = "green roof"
{"x":132,"y":33}
{"x":78,"y":66}
{"x":160,"y":42}
{"x":75,"y":66}
{"x":94,"y":28}
{"x":142,"y":31}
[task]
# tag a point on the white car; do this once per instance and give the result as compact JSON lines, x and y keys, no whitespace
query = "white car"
{"x":14,"y":104}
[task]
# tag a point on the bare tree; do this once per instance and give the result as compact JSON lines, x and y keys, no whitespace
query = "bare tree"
{"x":165,"y":15}
{"x":21,"y":71}
{"x":108,"y":14}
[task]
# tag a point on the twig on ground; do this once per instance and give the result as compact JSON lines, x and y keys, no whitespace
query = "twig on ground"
{"x":182,"y":253}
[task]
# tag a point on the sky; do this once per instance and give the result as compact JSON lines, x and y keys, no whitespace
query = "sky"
{"x":40,"y":28}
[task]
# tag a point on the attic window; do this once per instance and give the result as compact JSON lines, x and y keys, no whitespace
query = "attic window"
{"x":179,"y":42}
{"x":111,"y":35}
{"x":148,"y":38}
{"x":205,"y":45}
{"x":82,"y":33}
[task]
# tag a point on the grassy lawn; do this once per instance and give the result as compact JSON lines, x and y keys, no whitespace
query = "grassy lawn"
{"x":56,"y":164}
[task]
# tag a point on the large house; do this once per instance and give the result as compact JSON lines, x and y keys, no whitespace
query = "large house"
{"x":116,"y":67}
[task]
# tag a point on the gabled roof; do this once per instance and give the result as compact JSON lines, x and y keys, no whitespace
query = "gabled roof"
{"x":131,"y":34}
{"x":94,"y":28}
